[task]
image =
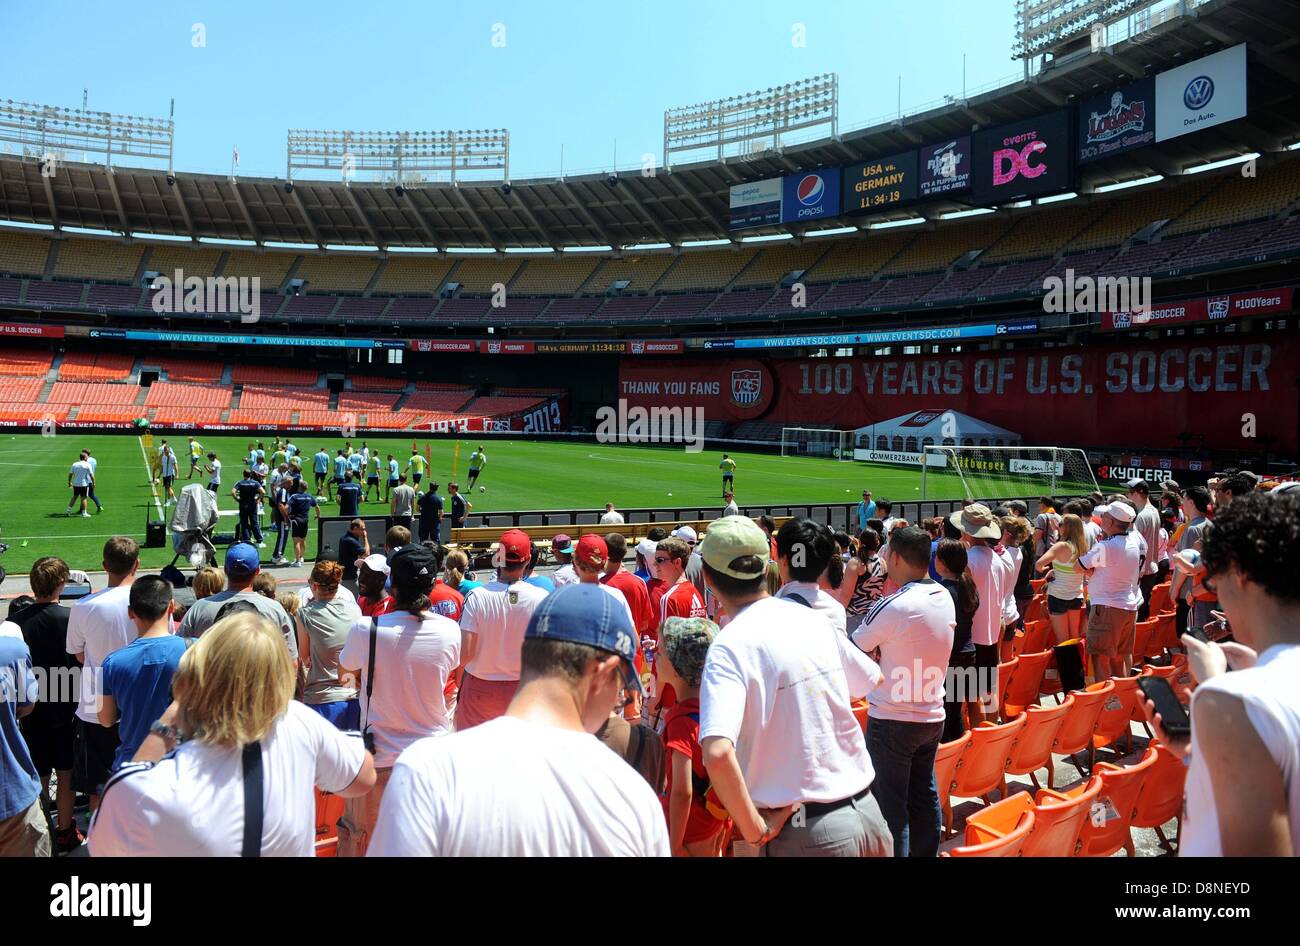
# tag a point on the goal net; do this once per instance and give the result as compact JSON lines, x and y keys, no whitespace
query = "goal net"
{"x":982,"y":473}
{"x":816,"y":442}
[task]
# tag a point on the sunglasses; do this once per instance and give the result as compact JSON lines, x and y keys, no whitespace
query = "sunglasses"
{"x":663,"y":560}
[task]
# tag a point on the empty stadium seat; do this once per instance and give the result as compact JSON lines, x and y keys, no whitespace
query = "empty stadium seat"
{"x":1057,"y":822}
{"x":1115,"y":789}
{"x":1026,"y":680}
{"x":1160,"y":799}
{"x":705,"y":269}
{"x":23,"y":254}
{"x":1143,"y":640}
{"x":1005,"y":839}
{"x":946,"y":759}
{"x":97,"y":259}
{"x":1115,"y":721}
{"x":1160,"y":600}
{"x":1032,"y":749}
{"x":981,"y":769}
{"x":1080,"y":723}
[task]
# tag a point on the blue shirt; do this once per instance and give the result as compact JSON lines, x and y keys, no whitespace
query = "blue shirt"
{"x":866,"y":510}
{"x":248,"y":489}
{"x":168,"y":463}
{"x":300,"y":504}
{"x":19,"y":785}
{"x":349,"y":499}
{"x":357,"y":462}
{"x":340,"y":466}
{"x":139,"y":677}
{"x":541,"y":581}
{"x":934,"y":547}
{"x":467,"y":585}
{"x":322,"y":462}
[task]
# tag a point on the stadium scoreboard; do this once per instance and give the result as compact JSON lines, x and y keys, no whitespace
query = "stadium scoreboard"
{"x":880,"y":183}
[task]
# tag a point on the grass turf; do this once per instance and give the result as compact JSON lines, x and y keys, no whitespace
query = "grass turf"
{"x":518,"y":475}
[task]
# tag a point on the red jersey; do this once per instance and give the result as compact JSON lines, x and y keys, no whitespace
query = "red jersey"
{"x":682,"y":734}
{"x":638,"y":599}
{"x":682,"y":600}
{"x":371,"y":608}
{"x":446,"y":600}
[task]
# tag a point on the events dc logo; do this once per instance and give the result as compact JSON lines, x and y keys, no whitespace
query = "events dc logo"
{"x":1198,"y":93}
{"x":810,"y":190}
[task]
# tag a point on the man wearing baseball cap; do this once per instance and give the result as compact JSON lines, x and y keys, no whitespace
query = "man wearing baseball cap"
{"x":776,"y":724}
{"x":242,"y":566}
{"x":533,"y":782}
{"x":1114,"y":566}
{"x":562,"y":549}
{"x":1146,"y":524}
{"x":590,"y":557}
{"x":994,"y":579}
{"x":493,"y":621}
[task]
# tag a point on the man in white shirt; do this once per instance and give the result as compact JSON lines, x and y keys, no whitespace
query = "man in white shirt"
{"x":81,"y":480}
{"x":885,"y":512}
{"x":98,"y":625}
{"x":1114,"y":566}
{"x":776,"y":724}
{"x":492,"y":625}
{"x":562,"y":549}
{"x":913,"y":628}
{"x":994,"y":580}
{"x":1147,"y":524}
{"x":534,"y":782}
{"x":803,"y":550}
{"x":731,"y":509}
{"x":612,"y":516}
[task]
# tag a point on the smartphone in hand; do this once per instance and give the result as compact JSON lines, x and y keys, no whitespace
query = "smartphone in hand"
{"x":1173,"y":717}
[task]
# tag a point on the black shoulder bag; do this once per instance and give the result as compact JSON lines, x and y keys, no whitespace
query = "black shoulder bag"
{"x":368,"y":737}
{"x":252,"y":764}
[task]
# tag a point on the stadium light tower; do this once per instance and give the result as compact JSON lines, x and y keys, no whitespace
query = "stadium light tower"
{"x":49,"y":130}
{"x":1046,"y":26}
{"x":400,"y":157}
{"x":746,"y":123}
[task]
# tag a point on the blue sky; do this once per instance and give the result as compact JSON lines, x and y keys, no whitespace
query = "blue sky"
{"x":578,"y":73}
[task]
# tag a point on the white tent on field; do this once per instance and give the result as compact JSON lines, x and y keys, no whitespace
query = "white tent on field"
{"x":912,"y":433}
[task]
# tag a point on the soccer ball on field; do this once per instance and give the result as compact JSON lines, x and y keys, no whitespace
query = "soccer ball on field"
{"x":482,"y":489}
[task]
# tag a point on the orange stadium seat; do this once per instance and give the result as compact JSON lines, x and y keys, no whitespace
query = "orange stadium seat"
{"x":1143,"y":643}
{"x":368,"y":383}
{"x":1160,"y":600}
{"x":1026,"y":679}
{"x":1160,"y":800}
{"x":1115,"y":721}
{"x":86,"y":366}
{"x":1079,"y":725}
{"x":1005,"y":839}
{"x":1033,"y":747}
{"x":280,"y":376}
{"x":981,"y":769}
{"x":1057,"y":822}
{"x":946,"y":759}
{"x":1038,"y":636}
{"x":1116,"y":789}
{"x":24,"y":363}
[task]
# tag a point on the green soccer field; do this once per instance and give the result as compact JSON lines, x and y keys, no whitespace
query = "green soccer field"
{"x":518,"y":475}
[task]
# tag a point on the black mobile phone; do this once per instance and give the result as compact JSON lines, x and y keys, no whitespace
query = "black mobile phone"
{"x":1198,"y":633}
{"x":1173,"y":717}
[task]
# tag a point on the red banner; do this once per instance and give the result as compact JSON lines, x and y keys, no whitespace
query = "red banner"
{"x":31,"y":331}
{"x":1140,"y":395}
{"x":506,"y":348}
{"x":1212,"y":308}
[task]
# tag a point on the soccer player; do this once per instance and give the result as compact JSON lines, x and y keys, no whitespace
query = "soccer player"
{"x":321,"y":464}
{"x":80,"y":480}
{"x":477,"y":460}
{"x":94,"y":475}
{"x":300,"y":505}
{"x":393,"y":474}
{"x":357,"y":466}
{"x":349,"y":495}
{"x":168,"y":469}
{"x":340,"y":470}
{"x":728,"y":468}
{"x":196,"y":457}
{"x":214,"y":472}
{"x":279,"y":455}
{"x":415,"y":465}
{"x":372,"y":476}
{"x":248,"y":493}
{"x":460,"y":506}
{"x":430,"y":505}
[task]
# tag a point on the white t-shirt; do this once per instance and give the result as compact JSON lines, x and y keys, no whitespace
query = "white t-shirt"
{"x":1117,"y":564}
{"x":98,"y":625}
{"x":191,"y":802}
{"x":913,"y":628}
{"x":1013,"y":555}
{"x":1094,"y":532}
{"x":993,"y":580}
{"x":81,"y":473}
{"x":612,"y":518}
{"x":499,"y":613}
{"x":216,"y":472}
{"x":342,"y":593}
{"x":516,"y":788}
{"x":413,"y":661}
{"x":1272,"y":702}
{"x":10,"y":629}
{"x":818,"y":600}
{"x":778,"y":682}
{"x":565,"y":575}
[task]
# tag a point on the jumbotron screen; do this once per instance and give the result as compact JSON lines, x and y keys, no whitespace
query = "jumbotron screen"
{"x":880,"y":184}
{"x":1027,"y":158}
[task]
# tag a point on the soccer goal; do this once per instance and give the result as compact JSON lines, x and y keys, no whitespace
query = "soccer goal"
{"x":816,"y":442}
{"x":1005,"y":472}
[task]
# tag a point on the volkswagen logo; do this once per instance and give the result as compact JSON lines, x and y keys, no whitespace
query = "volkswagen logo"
{"x":1198,"y":93}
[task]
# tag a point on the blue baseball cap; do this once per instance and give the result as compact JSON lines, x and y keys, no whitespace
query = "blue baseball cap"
{"x":588,"y":614}
{"x":242,"y":559}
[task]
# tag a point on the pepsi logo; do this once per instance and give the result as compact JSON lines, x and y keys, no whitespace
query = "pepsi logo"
{"x":810,"y":190}
{"x":1198,"y":92}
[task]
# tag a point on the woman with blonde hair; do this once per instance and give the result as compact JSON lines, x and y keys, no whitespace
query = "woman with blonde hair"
{"x":229,"y":768}
{"x":1065,"y":588}
{"x":208,"y":581}
{"x":455,"y":569}
{"x":323,"y":625}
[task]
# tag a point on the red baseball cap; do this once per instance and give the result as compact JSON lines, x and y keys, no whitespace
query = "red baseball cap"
{"x":516,"y":546}
{"x":592,"y":550}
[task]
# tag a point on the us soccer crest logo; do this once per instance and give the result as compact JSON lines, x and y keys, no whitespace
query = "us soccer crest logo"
{"x":1218,"y":308}
{"x":746,"y":387}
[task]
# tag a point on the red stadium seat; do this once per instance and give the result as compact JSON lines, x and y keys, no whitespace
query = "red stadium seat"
{"x":1032,"y":749}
